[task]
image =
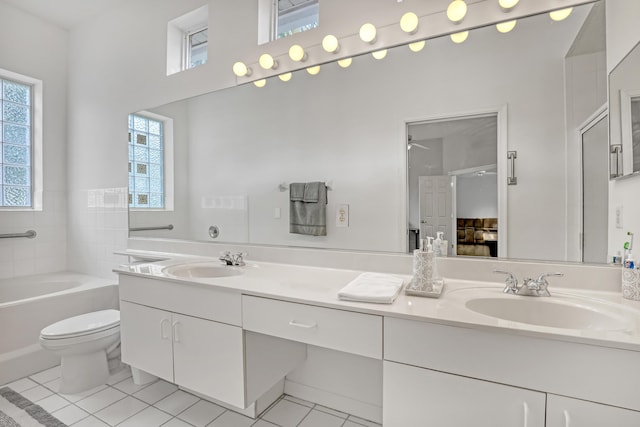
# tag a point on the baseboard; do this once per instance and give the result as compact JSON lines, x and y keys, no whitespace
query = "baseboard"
{"x":335,"y":401}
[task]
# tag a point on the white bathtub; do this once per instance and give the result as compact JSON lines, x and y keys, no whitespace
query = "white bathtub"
{"x":28,"y":304}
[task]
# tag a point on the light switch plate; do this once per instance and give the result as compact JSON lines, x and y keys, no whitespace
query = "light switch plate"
{"x":342,"y":216}
{"x":276,"y":213}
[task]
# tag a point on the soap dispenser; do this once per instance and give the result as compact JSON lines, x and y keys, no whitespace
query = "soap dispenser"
{"x":423,"y":265}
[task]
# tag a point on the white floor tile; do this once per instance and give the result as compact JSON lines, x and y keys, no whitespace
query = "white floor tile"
{"x":150,"y":417}
{"x":263,"y":423}
{"x":21,"y":385}
{"x":53,"y":403}
{"x":232,"y":419}
{"x":286,"y":413}
{"x":121,"y":410}
{"x":202,"y":413}
{"x":91,"y":422}
{"x":128,"y":386}
{"x":37,"y":393}
{"x":79,"y":396}
{"x":176,"y":422}
{"x":363,"y":422}
{"x":321,"y":419}
{"x":351,"y":424}
{"x":54,"y":385}
{"x":156,"y":391}
{"x":46,"y":375}
{"x":100,"y":400}
{"x":176,"y":402}
{"x":119,"y":376}
{"x":70,"y":414}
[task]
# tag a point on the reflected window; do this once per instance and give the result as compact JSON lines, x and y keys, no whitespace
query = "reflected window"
{"x":16,"y":121}
{"x":295,"y":16}
{"x":146,"y":162}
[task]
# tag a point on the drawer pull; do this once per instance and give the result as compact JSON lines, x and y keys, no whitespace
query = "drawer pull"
{"x":302,"y":325}
{"x":176,"y":332}
{"x":567,"y":418}
{"x":526,"y":414}
{"x":163,"y":324}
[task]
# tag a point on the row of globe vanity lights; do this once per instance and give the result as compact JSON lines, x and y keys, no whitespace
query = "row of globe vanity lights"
{"x":456,"y":12}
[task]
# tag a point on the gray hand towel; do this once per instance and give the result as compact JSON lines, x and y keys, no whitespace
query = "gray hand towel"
{"x":308,"y":213}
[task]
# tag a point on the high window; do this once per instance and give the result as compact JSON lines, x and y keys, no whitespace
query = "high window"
{"x":187,"y":40}
{"x":295,"y":16}
{"x":196,"y":47}
{"x":20,"y":141}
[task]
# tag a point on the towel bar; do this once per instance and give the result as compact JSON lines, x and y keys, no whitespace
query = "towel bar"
{"x":283,"y":186}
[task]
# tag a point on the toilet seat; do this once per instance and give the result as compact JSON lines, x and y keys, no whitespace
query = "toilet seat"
{"x":104,"y":322}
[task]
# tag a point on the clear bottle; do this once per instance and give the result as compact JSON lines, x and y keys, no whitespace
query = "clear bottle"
{"x":437,"y":244}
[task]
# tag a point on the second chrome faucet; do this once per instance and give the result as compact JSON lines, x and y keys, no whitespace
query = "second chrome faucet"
{"x":530,"y":287}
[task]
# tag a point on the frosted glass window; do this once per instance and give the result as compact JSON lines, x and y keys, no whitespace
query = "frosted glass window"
{"x":15,"y":144}
{"x":146,"y":163}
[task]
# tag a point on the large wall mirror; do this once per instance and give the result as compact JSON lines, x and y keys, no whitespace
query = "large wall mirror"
{"x":359,"y":129}
{"x":624,"y":99}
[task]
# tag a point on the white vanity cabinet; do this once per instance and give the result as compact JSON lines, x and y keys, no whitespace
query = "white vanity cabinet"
{"x":566,"y":412}
{"x":192,"y":336}
{"x":456,"y":376}
{"x":416,"y":397}
{"x":198,"y":354}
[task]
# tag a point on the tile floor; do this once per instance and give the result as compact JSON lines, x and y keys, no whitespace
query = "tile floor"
{"x":122,"y":403}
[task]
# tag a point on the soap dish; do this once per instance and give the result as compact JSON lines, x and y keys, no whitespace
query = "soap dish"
{"x":434,"y":292}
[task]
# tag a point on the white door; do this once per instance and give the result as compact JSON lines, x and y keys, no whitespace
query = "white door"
{"x":595,"y":192}
{"x":145,"y":335}
{"x":208,"y":358}
{"x":416,"y":397}
{"x":435,"y":206}
{"x":566,"y":412}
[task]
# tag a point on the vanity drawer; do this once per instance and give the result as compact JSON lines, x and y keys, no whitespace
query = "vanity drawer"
{"x":340,"y":330}
{"x":197,"y":301}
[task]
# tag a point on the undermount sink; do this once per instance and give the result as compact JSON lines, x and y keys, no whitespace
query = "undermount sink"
{"x":547,"y":312}
{"x":201,"y":271}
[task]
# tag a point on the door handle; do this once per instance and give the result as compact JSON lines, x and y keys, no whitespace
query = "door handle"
{"x":302,"y":325}
{"x":176,"y":332}
{"x":526,"y":414}
{"x":163,"y":324}
{"x":567,"y":418}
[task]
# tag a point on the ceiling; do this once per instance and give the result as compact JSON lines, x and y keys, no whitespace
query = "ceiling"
{"x":64,"y":13}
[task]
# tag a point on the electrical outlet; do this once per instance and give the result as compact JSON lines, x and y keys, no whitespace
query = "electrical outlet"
{"x":342,"y":216}
{"x":619,"y":216}
{"x":276,"y":213}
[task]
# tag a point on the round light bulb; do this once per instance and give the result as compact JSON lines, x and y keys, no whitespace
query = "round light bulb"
{"x":297,"y":53}
{"x":456,"y":11}
{"x":313,"y":70}
{"x":379,"y":54}
{"x":260,"y":83}
{"x":409,"y":22}
{"x":505,"y":27}
{"x":508,"y":4}
{"x":267,"y":62}
{"x":559,"y":15}
{"x":285,"y":77}
{"x":459,"y":37}
{"x":330,"y":43}
{"x":417,"y":46}
{"x":368,"y":33}
{"x":344,"y":63}
{"x":240,"y":69}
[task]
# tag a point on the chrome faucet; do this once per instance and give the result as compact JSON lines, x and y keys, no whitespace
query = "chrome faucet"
{"x":529,"y":287}
{"x":228,"y":258}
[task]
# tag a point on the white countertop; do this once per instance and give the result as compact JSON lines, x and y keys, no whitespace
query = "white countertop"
{"x":319,"y":286}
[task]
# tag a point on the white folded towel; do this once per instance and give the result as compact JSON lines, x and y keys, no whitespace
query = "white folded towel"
{"x":372,"y":287}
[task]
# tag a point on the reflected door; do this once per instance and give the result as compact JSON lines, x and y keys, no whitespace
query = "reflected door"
{"x":595,"y":192}
{"x":435,"y":206}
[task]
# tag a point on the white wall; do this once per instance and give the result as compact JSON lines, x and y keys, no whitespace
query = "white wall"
{"x":22,"y":51}
{"x":623,"y":33}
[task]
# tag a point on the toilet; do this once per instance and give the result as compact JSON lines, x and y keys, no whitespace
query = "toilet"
{"x":83,"y":342}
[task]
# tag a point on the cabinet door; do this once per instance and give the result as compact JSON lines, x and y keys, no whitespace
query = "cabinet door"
{"x":566,"y":412}
{"x":146,"y":339}
{"x":421,"y":397}
{"x":208,"y":358}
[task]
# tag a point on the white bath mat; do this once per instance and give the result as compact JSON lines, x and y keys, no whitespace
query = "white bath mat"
{"x":18,"y":411}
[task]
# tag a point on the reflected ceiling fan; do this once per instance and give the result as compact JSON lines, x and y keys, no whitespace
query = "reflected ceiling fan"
{"x":410,"y":144}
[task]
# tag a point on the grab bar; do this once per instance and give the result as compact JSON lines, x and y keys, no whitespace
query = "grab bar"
{"x":160,"y":227}
{"x":29,"y":234}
